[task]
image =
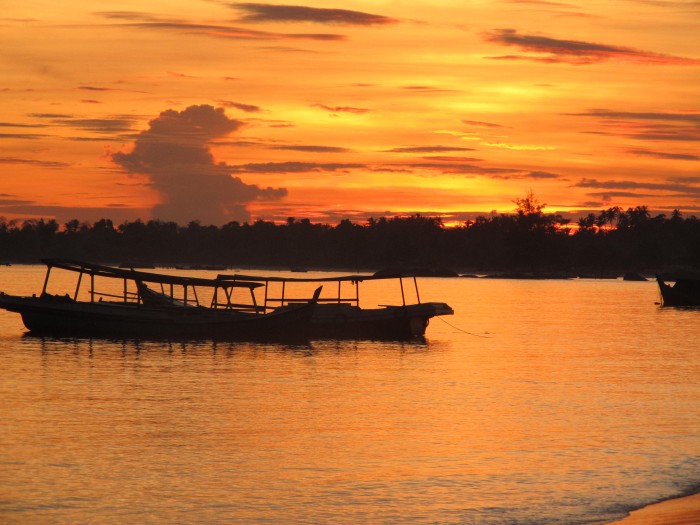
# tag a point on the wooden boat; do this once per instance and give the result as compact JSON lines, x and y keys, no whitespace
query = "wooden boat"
{"x":340,"y":315}
{"x":125,"y":306}
{"x":685,"y":292}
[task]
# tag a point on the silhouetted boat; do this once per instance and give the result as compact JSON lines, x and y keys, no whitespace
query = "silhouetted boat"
{"x":340,"y":316}
{"x":125,"y":306}
{"x":686,"y":292}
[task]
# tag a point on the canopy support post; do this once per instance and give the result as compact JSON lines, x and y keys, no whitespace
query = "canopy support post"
{"x":46,"y":280}
{"x":77,"y":286}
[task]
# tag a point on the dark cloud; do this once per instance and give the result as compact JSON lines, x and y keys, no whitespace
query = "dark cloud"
{"x":693,"y":118}
{"x":647,"y":125}
{"x":143,"y":21}
{"x":49,"y":115}
{"x":127,"y":15}
{"x":94,"y":88}
{"x":7,"y":204}
{"x":294,"y":167}
{"x":653,"y":133}
{"x":427,"y":149}
{"x":117,"y":124}
{"x":180,"y":75}
{"x":96,"y":125}
{"x":554,"y":50}
{"x":588,"y":204}
{"x":174,"y":153}
{"x":297,"y":13}
{"x":428,"y":89}
{"x":607,"y":196}
{"x":30,"y":136}
{"x":543,"y":175}
{"x":674,"y":133}
{"x":248,"y":108}
{"x":453,"y":167}
{"x":34,"y":162}
{"x":686,"y":180}
{"x":681,"y":188}
{"x":342,"y":109}
{"x":17,"y":125}
{"x":663,"y":155}
{"x":446,"y":158}
{"x":480,"y":124}
{"x":312,"y":149}
{"x":467,"y":169}
{"x":100,"y":139}
{"x":241,"y":143}
{"x":437,"y":165}
{"x":270,"y":122}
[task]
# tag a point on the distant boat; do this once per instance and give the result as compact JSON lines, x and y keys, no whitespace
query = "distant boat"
{"x":686,"y":292}
{"x":125,"y":306}
{"x":340,"y":315}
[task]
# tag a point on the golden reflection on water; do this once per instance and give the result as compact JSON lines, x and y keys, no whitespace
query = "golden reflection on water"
{"x":579,"y":400}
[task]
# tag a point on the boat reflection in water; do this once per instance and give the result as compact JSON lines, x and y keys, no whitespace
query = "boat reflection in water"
{"x":120,"y":302}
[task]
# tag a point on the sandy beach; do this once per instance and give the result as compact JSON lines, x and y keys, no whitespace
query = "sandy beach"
{"x":680,"y":511}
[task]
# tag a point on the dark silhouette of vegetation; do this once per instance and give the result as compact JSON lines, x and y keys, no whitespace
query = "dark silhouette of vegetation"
{"x":528,"y":240}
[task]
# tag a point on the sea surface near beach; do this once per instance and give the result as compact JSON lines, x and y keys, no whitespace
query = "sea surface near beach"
{"x":568,"y":402}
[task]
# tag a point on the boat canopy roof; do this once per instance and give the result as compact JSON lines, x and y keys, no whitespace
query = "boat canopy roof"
{"x":350,"y":278}
{"x":149,"y":277}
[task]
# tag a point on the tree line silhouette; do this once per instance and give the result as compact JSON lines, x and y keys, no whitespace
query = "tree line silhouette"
{"x":528,"y":240}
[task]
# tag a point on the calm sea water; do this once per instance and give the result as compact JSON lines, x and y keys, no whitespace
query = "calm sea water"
{"x":542,"y":402}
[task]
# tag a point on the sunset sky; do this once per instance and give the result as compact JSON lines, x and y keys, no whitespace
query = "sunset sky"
{"x":219,"y":111}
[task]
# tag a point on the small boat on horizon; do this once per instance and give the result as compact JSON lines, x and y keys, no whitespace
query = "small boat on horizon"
{"x":685,"y":292}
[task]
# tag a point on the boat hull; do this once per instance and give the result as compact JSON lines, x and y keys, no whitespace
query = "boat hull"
{"x":343,"y":321}
{"x":57,"y":316}
{"x":685,"y":293}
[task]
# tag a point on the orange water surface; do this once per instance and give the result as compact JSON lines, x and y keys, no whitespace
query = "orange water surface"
{"x":541,"y":402}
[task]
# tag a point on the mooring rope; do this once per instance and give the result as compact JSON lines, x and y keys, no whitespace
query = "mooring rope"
{"x":464,"y":331}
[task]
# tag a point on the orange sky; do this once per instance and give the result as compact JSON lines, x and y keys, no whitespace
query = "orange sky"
{"x":220,"y":111}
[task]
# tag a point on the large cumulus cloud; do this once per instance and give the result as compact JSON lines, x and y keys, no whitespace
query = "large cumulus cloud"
{"x":174,"y":153}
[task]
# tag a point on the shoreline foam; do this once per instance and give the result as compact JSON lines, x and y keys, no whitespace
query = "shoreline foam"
{"x":678,"y":511}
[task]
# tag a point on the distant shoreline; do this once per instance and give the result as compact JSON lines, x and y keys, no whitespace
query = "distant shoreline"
{"x":528,"y":242}
{"x":672,"y":275}
{"x":684,"y":510}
